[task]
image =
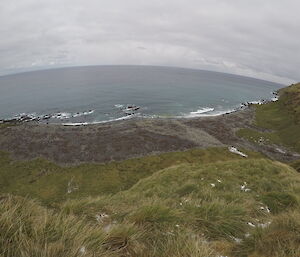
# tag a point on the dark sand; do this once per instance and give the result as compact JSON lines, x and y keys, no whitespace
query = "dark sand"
{"x":129,"y":138}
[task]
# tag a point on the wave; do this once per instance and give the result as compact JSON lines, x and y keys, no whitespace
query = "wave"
{"x":97,"y":122}
{"x":61,"y":115}
{"x":202,"y":110}
{"x":217,"y":113}
{"x":275,"y":99}
{"x":206,"y":112}
{"x":67,"y":115}
{"x":259,"y":102}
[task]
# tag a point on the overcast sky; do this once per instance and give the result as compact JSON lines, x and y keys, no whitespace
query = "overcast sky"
{"x":258,"y":38}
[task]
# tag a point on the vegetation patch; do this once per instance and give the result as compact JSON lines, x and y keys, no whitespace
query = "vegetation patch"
{"x":226,"y":204}
{"x":219,"y":219}
{"x":296,"y":165}
{"x":199,"y":207}
{"x":27,"y":229}
{"x":259,"y":137}
{"x":7,"y":125}
{"x":280,"y":119}
{"x":154,"y":214}
{"x":52,"y":183}
{"x":280,"y":238}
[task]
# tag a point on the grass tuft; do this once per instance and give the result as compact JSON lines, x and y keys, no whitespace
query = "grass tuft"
{"x":279,"y":201}
{"x":219,"y":219}
{"x":155,"y":214}
{"x":280,"y":239}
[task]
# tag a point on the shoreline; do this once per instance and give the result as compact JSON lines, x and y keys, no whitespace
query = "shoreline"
{"x":203,"y":112}
{"x":43,"y":119}
{"x":132,"y":138}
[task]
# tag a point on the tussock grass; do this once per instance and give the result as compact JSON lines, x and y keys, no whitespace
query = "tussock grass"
{"x":153,"y":214}
{"x":296,"y":165}
{"x":280,"y":239}
{"x":181,"y":199}
{"x":195,"y":207}
{"x":279,"y":201}
{"x":29,"y":230}
{"x":218,"y":219}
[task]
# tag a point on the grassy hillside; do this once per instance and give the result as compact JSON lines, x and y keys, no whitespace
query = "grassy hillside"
{"x":280,"y":119}
{"x":241,"y":207}
{"x":52,"y":183}
{"x":296,"y":165}
{"x":290,"y":98}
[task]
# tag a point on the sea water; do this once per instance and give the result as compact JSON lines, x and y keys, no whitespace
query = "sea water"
{"x":101,"y":93}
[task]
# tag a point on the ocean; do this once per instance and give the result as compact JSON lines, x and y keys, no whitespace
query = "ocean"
{"x":103,"y":93}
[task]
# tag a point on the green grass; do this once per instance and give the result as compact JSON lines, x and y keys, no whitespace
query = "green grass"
{"x":7,"y":125}
{"x":173,"y":212}
{"x":259,"y":137}
{"x":49,"y":182}
{"x":196,"y":206}
{"x":29,"y":230}
{"x":182,"y":199}
{"x":279,"y":201}
{"x":281,"y":117}
{"x":281,"y":238}
{"x":296,"y":165}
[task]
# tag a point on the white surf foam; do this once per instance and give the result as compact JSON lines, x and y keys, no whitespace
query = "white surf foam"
{"x":202,"y":110}
{"x":207,"y":112}
{"x":79,"y":114}
{"x":98,"y":122}
{"x":61,"y":115}
{"x":67,"y":115}
{"x":256,"y":102}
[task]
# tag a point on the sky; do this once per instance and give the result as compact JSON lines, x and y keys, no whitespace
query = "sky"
{"x":257,"y":38}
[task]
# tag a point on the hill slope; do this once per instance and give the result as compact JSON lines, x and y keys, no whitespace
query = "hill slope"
{"x":52,"y":183}
{"x":241,"y":207}
{"x":278,"y":122}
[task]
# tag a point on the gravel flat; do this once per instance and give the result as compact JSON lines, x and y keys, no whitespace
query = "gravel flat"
{"x":126,"y":139}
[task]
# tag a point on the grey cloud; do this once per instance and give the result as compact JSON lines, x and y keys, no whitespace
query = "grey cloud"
{"x":255,"y":38}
